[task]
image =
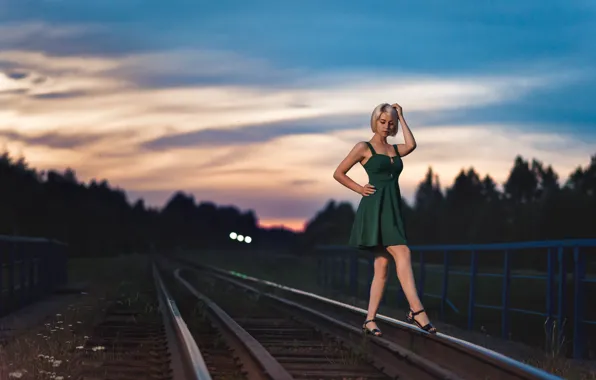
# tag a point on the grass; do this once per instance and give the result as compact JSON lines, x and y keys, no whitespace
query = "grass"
{"x":353,"y":355}
{"x":547,"y":345}
{"x":50,"y":351}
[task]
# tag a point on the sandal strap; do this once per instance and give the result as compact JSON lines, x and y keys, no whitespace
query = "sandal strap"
{"x":370,"y":320}
{"x":416,"y":313}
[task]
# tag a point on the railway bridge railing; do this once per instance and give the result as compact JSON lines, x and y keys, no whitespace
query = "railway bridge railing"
{"x":468,"y":279}
{"x":30,"y":269}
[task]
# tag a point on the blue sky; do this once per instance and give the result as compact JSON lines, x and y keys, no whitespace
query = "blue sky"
{"x":255,"y":103}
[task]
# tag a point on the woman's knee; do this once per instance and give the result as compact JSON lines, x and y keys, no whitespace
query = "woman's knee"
{"x":381,"y":266}
{"x":400,"y":252}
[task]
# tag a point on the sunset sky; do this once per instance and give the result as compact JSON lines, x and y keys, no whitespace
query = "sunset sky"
{"x":254,"y":103}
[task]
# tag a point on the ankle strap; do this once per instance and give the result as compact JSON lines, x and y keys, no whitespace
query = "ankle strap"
{"x":416,"y":313}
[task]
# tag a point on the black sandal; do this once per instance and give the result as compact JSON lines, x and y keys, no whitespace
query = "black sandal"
{"x":429,"y":328}
{"x":375,"y":331}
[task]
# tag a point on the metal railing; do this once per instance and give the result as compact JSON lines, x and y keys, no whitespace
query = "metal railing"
{"x":565,"y":300}
{"x":30,"y":269}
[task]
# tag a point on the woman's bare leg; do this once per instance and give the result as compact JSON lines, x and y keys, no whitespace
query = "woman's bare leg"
{"x":403,"y":266}
{"x":377,"y":287}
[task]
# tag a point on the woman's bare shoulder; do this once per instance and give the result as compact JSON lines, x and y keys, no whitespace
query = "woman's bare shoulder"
{"x":360,"y":146}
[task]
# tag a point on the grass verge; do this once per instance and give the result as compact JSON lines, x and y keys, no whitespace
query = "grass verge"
{"x":49,"y":351}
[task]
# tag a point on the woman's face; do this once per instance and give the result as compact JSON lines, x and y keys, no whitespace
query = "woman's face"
{"x":385,"y":124}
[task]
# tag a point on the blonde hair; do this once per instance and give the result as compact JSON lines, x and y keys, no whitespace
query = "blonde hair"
{"x":378,"y":111}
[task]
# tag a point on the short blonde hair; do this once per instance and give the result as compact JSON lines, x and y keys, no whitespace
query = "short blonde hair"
{"x":378,"y":111}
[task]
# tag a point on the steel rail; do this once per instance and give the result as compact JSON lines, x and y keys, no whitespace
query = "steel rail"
{"x":421,"y":365}
{"x":481,"y":353}
{"x":265,"y":360}
{"x":189,"y":364}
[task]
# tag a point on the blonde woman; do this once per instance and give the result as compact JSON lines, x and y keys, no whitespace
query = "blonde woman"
{"x":378,"y":225}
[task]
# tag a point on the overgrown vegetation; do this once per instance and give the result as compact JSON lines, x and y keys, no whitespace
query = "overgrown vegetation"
{"x":52,"y":350}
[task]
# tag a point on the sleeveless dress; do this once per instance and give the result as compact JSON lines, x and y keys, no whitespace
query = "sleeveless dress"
{"x":378,"y":221}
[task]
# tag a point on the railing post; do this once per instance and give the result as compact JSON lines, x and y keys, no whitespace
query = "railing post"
{"x":578,"y":303}
{"x":445,"y":283}
{"x":31,"y":289}
{"x":37,"y":268}
{"x":2,"y":266}
{"x":472,"y":296}
{"x":550,"y":295}
{"x":319,"y":271}
{"x":325,"y":271}
{"x":505,"y":295}
{"x":11,"y":276}
{"x":64,"y":256}
{"x":422,"y":276}
{"x":45,"y":254}
{"x":562,"y":291}
{"x":354,"y":275}
{"x":342,"y":271}
{"x":23,"y":274}
{"x":550,"y":284}
{"x":22,"y":253}
{"x":330,"y":272}
{"x":338,"y":275}
{"x":52,"y":265}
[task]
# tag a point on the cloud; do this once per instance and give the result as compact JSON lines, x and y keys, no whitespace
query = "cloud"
{"x":60,"y":95}
{"x":100,"y":102}
{"x":289,"y":178}
{"x":58,"y":140}
{"x":17,"y":75}
{"x":253,"y":133}
{"x":207,"y":67}
{"x":256,"y":104}
{"x":68,"y":37}
{"x":302,"y":182}
{"x":267,"y":147}
{"x":14,"y":33}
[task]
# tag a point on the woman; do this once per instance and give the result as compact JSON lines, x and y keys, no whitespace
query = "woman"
{"x":378,"y":225}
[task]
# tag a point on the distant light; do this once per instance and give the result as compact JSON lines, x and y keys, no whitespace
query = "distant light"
{"x":248,"y":239}
{"x":233,"y":235}
{"x":240,"y":238}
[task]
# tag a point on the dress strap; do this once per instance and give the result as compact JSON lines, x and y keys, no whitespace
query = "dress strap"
{"x":372,"y":150}
{"x":395,"y":147}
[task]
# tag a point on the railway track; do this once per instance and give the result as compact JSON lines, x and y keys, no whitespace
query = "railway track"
{"x":138,"y":340}
{"x":299,"y":343}
{"x":236,"y":327}
{"x":403,"y":352}
{"x":277,"y":345}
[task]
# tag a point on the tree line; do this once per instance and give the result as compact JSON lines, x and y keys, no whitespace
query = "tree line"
{"x":98,"y":219}
{"x":95,"y":218}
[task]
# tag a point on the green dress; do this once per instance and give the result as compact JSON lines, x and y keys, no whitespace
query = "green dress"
{"x":378,"y":220}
